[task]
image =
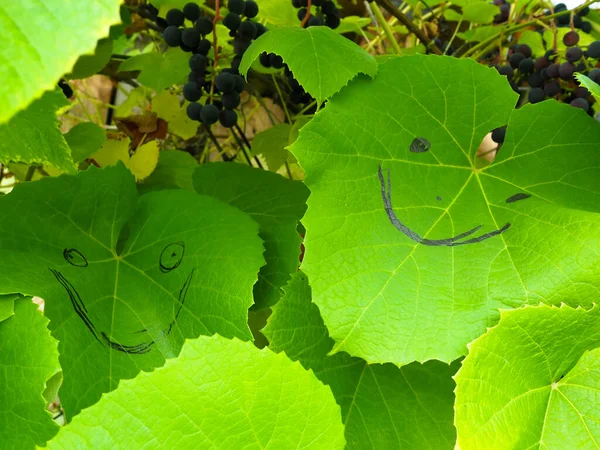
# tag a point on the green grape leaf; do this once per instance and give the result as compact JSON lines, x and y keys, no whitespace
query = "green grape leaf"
{"x":271,"y":145}
{"x":383,"y":406}
{"x":88,"y":65}
{"x":219,"y":393}
{"x":31,"y":61}
{"x":534,"y":40}
{"x":33,"y":136}
{"x":478,"y":34}
{"x":322,"y":61}
{"x":126,"y":278}
{"x":166,"y":106}
{"x":173,"y":171}
{"x":352,"y":24}
{"x":276,"y":203}
{"x":136,"y":101}
{"x":589,"y":84}
{"x":85,"y":139}
{"x":28,"y":358}
{"x":532,"y":381}
{"x":7,"y":305}
{"x":480,"y":12}
{"x":413,"y":244}
{"x":276,"y":13}
{"x":159,"y":70}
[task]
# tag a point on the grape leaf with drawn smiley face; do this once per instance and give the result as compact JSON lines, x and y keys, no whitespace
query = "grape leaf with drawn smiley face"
{"x":125,"y":278}
{"x":412,"y":245}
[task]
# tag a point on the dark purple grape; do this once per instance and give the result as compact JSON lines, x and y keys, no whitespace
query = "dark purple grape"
{"x":498,"y":135}
{"x":580,"y":103}
{"x":318,"y":2}
{"x":573,"y":54}
{"x":260,"y":29}
{"x":314,"y":21}
{"x":535,"y":80}
{"x":276,"y":61}
{"x":536,"y":95}
{"x":584,"y":12}
{"x":551,"y":88}
{"x":544,"y":74}
{"x":232,"y":21}
{"x":236,"y":6}
{"x":251,"y":10}
{"x":197,"y":62}
{"x":235,"y":63}
{"x":175,"y":17}
{"x":507,"y":71}
{"x":204,"y":25}
{"x":225,"y":82}
{"x":191,"y":92}
{"x":550,"y":55}
{"x":565,"y":70}
{"x":209,"y":114}
{"x":240,"y":84}
{"x":333,"y":21}
{"x":593,"y":50}
{"x":240,"y":45}
{"x":172,"y":36}
{"x":571,"y":38}
{"x":190,"y":38}
{"x":231,"y":100}
{"x":248,"y":30}
{"x":301,"y":13}
{"x":581,"y":92}
{"x":265,"y":60}
{"x":586,"y":27}
{"x":193,"y":111}
{"x":594,"y":75}
{"x":553,"y":70}
{"x":541,"y":63}
{"x":191,"y":11}
{"x":526,"y":66}
{"x":228,"y":118}
{"x":296,"y":4}
{"x":524,"y":49}
{"x":328,"y":8}
{"x":516,"y":59}
{"x":203,"y":47}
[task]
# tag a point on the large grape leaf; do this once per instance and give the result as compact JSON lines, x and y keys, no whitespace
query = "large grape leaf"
{"x":276,"y":203}
{"x":7,"y":305}
{"x":322,"y":61}
{"x":42,"y":41}
{"x":412,"y":244}
{"x":167,"y":106}
{"x":174,"y":170}
{"x":28,"y":358}
{"x":33,"y":135}
{"x":383,"y":406}
{"x":84,"y":140}
{"x":218,"y":394}
{"x":126,"y":278}
{"x":532,"y":381}
{"x":159,"y":70}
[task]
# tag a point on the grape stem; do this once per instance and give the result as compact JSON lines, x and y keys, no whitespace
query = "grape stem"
{"x":511,"y":29}
{"x":307,"y":16}
{"x":389,"y":7}
{"x":386,"y":27}
{"x":218,"y":17}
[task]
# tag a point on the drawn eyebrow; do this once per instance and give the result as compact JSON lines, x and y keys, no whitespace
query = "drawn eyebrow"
{"x":386,"y":195}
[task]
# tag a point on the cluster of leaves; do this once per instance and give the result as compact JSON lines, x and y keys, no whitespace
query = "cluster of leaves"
{"x":386,"y":284}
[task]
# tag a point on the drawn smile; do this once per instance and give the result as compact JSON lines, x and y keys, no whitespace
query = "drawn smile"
{"x":386,"y":195}
{"x":170,"y":259}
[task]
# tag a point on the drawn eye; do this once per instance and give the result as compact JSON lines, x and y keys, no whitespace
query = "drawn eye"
{"x":171,"y":256}
{"x":420,"y":145}
{"x":75,"y":257}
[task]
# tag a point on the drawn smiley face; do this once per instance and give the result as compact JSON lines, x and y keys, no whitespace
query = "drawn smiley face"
{"x":170,"y":259}
{"x":421,"y":145}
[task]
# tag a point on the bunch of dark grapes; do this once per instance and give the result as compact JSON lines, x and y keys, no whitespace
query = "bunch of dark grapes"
{"x":502,"y":16}
{"x":578,"y":22}
{"x":322,"y":13}
{"x":222,"y":89}
{"x":552,"y":75}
